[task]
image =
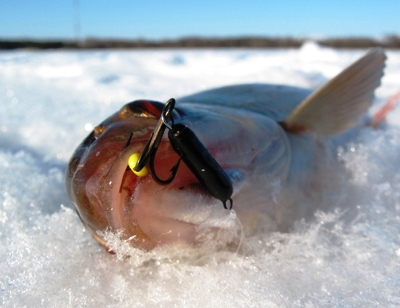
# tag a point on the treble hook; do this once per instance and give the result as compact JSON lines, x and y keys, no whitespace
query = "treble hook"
{"x":150,"y":150}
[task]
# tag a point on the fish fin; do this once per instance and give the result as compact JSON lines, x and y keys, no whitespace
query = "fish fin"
{"x":340,"y":103}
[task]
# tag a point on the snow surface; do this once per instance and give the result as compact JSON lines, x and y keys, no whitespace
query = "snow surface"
{"x":348,"y":255}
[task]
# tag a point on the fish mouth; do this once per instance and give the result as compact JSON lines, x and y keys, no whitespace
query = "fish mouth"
{"x":150,"y":214}
{"x":153,"y":214}
{"x":184,"y":182}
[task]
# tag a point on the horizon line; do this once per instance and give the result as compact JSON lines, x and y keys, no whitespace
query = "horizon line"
{"x":245,"y":41}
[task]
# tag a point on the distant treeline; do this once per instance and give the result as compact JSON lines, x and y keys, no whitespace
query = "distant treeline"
{"x":199,"y":42}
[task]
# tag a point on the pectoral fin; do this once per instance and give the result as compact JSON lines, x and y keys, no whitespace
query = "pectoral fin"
{"x":341,"y":102}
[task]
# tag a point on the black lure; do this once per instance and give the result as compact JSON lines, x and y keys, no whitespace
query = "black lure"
{"x":193,"y":153}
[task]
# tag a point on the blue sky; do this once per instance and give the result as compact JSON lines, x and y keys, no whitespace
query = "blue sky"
{"x":173,"y":19}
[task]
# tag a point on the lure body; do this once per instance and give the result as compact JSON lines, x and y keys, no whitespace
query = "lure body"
{"x":201,"y":163}
{"x":268,"y":139}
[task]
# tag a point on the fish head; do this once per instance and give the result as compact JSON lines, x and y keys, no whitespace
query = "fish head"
{"x":108,"y":195}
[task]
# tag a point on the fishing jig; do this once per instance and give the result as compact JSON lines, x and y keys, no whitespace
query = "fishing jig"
{"x":190,"y":149}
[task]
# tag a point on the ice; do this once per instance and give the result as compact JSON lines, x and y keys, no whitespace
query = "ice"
{"x":347,"y":255}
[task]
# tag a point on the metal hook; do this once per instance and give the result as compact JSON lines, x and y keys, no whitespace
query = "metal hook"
{"x":150,"y":150}
{"x":173,"y":171}
{"x":231,"y":204}
{"x":166,"y":113}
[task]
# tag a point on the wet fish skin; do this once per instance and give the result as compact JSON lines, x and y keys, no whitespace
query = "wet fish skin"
{"x":98,"y":162}
{"x":268,"y":138}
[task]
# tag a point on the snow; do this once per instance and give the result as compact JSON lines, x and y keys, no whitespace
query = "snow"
{"x":348,"y":255}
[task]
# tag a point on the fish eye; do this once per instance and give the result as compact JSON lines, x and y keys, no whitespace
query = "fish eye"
{"x":145,"y":108}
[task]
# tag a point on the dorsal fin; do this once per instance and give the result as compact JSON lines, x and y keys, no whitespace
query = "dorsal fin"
{"x":340,"y":103}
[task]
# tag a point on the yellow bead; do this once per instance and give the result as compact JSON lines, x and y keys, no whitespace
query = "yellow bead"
{"x":132,"y":163}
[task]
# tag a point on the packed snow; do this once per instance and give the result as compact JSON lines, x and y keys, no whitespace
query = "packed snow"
{"x":348,"y":255}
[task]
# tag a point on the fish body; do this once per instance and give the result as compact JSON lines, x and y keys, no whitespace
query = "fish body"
{"x":269,"y":140}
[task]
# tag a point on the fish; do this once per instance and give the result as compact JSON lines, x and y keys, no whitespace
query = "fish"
{"x":273,"y":142}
